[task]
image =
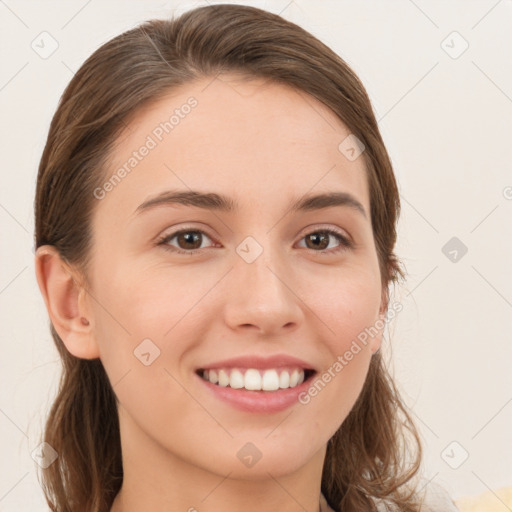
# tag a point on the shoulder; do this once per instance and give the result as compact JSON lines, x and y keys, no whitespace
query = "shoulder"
{"x":433,"y":497}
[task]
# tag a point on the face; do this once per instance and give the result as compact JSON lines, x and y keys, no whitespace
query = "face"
{"x":180,"y":288}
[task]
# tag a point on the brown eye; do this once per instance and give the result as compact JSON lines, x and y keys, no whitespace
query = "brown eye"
{"x":188,"y":241}
{"x":319,"y":241}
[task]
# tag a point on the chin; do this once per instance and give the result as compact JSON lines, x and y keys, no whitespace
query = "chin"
{"x":255,"y":460}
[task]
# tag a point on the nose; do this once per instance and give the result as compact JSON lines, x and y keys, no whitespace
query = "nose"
{"x":262,"y":296}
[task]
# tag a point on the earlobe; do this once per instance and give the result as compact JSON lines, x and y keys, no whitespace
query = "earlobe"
{"x":64,"y":299}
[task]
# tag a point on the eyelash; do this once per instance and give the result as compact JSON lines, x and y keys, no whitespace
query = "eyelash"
{"x":344,"y":245}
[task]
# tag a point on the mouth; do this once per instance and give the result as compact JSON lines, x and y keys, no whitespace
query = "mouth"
{"x":253,"y":379}
{"x":257,"y":384}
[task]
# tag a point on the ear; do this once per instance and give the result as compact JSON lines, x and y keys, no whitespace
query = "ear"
{"x":65,"y":300}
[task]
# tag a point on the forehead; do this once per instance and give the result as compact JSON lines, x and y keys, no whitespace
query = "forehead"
{"x":243,"y":137}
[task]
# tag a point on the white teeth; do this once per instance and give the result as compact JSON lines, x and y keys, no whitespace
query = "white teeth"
{"x":255,"y":380}
{"x":223,"y":378}
{"x":270,"y":381}
{"x":236,"y":379}
{"x":252,"y":380}
{"x":213,"y":377}
{"x":284,"y":380}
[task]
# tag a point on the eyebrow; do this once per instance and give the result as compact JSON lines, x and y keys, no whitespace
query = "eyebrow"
{"x":219,"y":202}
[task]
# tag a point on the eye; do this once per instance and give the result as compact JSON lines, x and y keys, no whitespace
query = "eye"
{"x":188,"y":240}
{"x":320,"y":240}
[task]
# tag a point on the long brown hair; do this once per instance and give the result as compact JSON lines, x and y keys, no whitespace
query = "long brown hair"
{"x":370,"y":456}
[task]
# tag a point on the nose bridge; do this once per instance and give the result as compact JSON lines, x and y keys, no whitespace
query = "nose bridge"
{"x":259,"y":264}
{"x":262,"y":289}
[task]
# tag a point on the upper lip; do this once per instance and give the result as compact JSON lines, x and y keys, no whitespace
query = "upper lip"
{"x":259,"y":362}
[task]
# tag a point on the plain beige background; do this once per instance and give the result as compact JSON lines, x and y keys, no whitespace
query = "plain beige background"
{"x":439,"y":77}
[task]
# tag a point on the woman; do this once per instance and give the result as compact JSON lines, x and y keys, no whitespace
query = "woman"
{"x":215,"y":224}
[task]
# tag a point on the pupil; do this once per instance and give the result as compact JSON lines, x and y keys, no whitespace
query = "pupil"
{"x":190,"y":237}
{"x":317,"y":237}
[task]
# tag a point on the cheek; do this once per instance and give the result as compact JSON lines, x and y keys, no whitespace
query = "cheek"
{"x":137,"y":319}
{"x":347,"y":306}
{"x":139,"y":313}
{"x":139,"y":304}
{"x":348,"y":309}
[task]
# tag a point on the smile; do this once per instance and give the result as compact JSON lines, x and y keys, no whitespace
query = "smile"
{"x":252,"y":379}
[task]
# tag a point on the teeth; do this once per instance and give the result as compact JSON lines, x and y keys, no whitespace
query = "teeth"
{"x":284,"y":380}
{"x":223,"y":378}
{"x":294,"y":378}
{"x":213,"y":377}
{"x":255,"y":380}
{"x":236,"y":380}
{"x":270,"y":381}
{"x":252,"y":380}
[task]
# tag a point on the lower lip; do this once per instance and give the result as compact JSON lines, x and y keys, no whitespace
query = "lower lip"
{"x":258,"y":401}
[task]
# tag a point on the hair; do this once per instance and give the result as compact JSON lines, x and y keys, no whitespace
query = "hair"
{"x":370,"y":457}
